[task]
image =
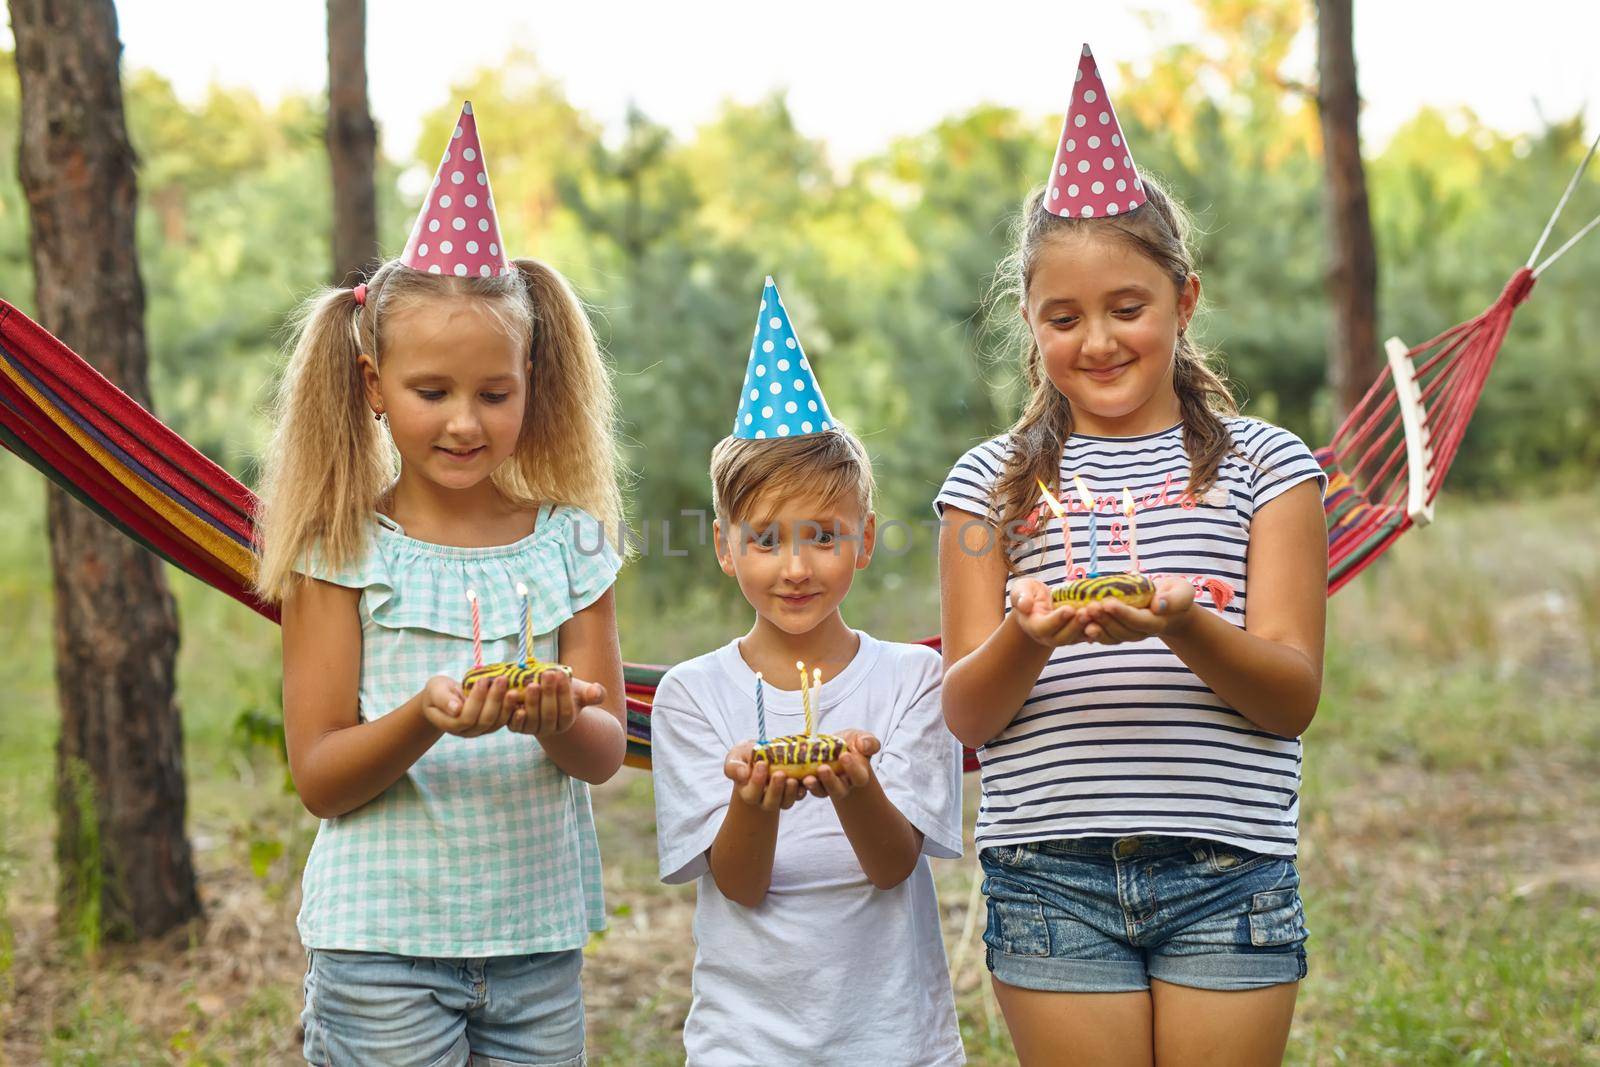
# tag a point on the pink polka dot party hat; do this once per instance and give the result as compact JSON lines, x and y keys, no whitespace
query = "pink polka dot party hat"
{"x":1093,"y":175}
{"x":457,"y":231}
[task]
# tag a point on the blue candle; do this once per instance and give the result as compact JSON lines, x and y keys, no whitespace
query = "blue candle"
{"x":527,"y":623}
{"x":1094,"y":526}
{"x":761,"y":711}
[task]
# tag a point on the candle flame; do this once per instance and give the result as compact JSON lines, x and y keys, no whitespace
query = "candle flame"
{"x":1050,"y":498}
{"x":522,"y":590}
{"x":1083,"y":492}
{"x":471,"y":595}
{"x":1127,"y":502}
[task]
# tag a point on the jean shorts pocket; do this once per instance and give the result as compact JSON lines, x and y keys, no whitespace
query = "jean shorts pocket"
{"x":1226,"y":859}
{"x":1277,"y":918}
{"x":1016,"y":921}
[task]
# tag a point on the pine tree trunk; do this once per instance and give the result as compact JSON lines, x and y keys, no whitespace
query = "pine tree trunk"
{"x":352,"y":144}
{"x":1353,"y":358}
{"x":120,"y":791}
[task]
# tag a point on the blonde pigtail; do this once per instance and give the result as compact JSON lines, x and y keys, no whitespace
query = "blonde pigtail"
{"x":328,"y":460}
{"x":568,"y":450}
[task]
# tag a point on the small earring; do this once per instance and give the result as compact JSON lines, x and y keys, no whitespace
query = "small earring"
{"x":377,"y":416}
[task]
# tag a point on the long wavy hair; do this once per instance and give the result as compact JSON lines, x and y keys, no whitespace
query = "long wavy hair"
{"x":330,"y":464}
{"x":1159,"y":231}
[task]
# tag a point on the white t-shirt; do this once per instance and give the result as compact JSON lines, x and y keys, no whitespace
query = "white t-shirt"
{"x":1126,"y":739}
{"x":826,"y":965}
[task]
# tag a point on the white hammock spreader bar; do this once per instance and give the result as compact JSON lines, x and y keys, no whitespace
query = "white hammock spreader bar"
{"x":1414,"y":419}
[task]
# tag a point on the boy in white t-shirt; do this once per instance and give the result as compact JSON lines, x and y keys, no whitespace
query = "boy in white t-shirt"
{"x":816,"y":924}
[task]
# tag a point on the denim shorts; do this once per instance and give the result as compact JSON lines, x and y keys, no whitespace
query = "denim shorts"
{"x":1106,"y":915}
{"x":497,"y":1011}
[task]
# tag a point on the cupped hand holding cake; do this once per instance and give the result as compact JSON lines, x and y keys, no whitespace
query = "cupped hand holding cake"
{"x":1112,"y":621}
{"x":759,"y":783}
{"x":1043,"y":620}
{"x":472,"y":711}
{"x":850,"y":771}
{"x":550,"y":702}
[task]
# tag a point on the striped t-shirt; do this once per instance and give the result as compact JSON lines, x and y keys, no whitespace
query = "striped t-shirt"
{"x":1125,"y":739}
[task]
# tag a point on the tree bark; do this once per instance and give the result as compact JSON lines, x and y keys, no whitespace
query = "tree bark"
{"x":121,"y":848}
{"x":1353,"y":358}
{"x":352,"y":144}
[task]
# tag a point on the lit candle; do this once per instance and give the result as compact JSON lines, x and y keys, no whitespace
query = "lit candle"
{"x":761,"y":711}
{"x":527,"y":625}
{"x":1094,"y":526}
{"x":816,"y":694}
{"x":1133,"y":527}
{"x":1066,"y":526}
{"x":477,"y":630}
{"x":805,"y":693}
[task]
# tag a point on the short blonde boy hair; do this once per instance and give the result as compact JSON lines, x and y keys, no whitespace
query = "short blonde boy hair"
{"x":832,"y":465}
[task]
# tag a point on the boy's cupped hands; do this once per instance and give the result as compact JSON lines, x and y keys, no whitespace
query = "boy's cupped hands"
{"x":855,"y":767}
{"x":758,"y":784}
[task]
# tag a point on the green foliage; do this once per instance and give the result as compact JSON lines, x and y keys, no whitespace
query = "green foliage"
{"x":885,"y":264}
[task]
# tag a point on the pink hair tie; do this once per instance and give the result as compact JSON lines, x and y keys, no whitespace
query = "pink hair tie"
{"x":360,"y":292}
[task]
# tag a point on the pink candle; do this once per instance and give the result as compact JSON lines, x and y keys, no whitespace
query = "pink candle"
{"x":1066,"y":526}
{"x":1133,"y":528}
{"x":477,"y":630}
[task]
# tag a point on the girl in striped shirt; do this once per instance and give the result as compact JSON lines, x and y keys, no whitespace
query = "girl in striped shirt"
{"x":1141,"y":767}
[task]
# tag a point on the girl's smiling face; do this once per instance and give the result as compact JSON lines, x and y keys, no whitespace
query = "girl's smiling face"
{"x":454,"y":385}
{"x":1106,"y":320}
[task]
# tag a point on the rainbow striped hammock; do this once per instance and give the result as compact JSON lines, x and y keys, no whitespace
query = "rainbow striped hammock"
{"x":1386,"y":463}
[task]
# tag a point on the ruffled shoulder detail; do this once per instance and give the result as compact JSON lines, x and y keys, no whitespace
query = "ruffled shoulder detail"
{"x":566,"y":564}
{"x":359,"y":573}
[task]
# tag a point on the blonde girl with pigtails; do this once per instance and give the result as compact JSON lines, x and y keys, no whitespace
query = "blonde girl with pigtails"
{"x":437,"y":493}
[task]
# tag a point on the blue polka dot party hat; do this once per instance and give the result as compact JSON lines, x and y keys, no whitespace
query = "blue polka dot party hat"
{"x":780,"y":396}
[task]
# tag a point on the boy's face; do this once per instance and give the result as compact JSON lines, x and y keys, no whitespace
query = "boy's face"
{"x":795,"y":558}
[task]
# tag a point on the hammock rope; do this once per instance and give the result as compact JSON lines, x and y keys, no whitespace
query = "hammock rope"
{"x":1561,"y":205}
{"x":1386,"y":463}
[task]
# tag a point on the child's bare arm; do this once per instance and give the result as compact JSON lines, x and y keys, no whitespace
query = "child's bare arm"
{"x":741,"y":855}
{"x":338,"y":762}
{"x":1271,"y":670}
{"x":582,"y":724}
{"x":991,"y":659}
{"x":885,"y":843}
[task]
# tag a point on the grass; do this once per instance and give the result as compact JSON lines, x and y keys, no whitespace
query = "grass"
{"x":1451,"y":833}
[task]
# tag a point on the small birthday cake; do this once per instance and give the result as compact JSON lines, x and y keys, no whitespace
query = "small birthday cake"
{"x":798,"y":755}
{"x":1133,"y":589}
{"x":1130,"y":587}
{"x":517,"y":675}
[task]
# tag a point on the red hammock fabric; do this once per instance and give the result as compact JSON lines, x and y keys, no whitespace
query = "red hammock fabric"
{"x":62,"y":416}
{"x":1368,"y":478}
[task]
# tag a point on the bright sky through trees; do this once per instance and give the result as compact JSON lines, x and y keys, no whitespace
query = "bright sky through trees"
{"x":857,"y":73}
